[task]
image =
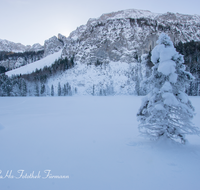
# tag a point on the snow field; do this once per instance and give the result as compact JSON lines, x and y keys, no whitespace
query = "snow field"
{"x":94,"y":140}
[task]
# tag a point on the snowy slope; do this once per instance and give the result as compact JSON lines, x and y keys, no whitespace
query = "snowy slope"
{"x":47,"y":61}
{"x":95,"y":141}
{"x":113,"y":78}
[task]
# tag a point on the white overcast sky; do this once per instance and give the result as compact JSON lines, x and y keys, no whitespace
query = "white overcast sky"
{"x":34,"y":21}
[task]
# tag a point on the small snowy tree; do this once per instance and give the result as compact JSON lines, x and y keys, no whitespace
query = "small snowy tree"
{"x":166,"y":110}
{"x":59,"y":89}
{"x":64,"y":90}
{"x":52,"y":90}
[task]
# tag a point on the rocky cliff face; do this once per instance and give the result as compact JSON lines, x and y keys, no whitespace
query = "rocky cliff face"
{"x":52,"y":45}
{"x":123,"y":35}
{"x":119,"y":36}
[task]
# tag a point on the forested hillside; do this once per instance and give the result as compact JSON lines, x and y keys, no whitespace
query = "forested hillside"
{"x":36,"y":83}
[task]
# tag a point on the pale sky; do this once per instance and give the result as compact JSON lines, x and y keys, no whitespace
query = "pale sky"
{"x":34,"y":21}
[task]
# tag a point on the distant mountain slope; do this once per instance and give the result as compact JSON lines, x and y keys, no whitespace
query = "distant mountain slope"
{"x":8,"y":46}
{"x":111,"y":54}
{"x":14,"y":55}
{"x":125,"y":35}
{"x":47,"y":61}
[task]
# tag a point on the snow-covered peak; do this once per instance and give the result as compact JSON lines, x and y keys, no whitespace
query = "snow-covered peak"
{"x":52,"y":45}
{"x":9,"y":46}
{"x":124,"y":35}
{"x":130,"y":13}
{"x":179,"y":18}
{"x":124,"y":14}
{"x":36,"y":47}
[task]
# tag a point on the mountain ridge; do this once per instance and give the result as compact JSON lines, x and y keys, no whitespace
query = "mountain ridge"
{"x":8,"y":46}
{"x":111,"y":54}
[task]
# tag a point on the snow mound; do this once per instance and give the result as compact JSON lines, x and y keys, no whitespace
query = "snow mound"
{"x":47,"y":61}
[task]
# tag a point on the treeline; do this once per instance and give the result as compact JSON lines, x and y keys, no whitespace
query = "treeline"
{"x":35,"y":83}
{"x":12,"y":86}
{"x":27,"y":55}
{"x":3,"y":69}
{"x":41,"y":75}
{"x":45,"y":90}
{"x":191,"y":52}
{"x":17,"y":86}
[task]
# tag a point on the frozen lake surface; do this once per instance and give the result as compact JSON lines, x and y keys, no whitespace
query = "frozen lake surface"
{"x":92,"y":140}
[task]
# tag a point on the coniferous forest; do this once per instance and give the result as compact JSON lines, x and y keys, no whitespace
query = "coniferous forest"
{"x":18,"y":85}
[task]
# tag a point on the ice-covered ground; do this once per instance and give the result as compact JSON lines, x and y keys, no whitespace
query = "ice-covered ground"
{"x":94,"y":141}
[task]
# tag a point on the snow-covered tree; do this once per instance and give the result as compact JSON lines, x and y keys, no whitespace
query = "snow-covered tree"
{"x":64,"y":90}
{"x":42,"y":90}
{"x":37,"y":92}
{"x":23,"y":88}
{"x":52,"y":90}
{"x":166,"y":110}
{"x":59,"y":89}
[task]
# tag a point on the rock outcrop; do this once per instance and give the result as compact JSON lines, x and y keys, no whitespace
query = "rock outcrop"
{"x":123,"y":35}
{"x":52,"y":45}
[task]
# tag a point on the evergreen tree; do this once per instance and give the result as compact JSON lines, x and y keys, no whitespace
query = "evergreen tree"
{"x":52,"y":90}
{"x":166,"y":111}
{"x":65,"y":90}
{"x":42,"y":91}
{"x":59,"y":89}
{"x":93,"y":90}
{"x":100,"y":92}
{"x":15,"y":90}
{"x":69,"y":90}
{"x":2,"y":69}
{"x":75,"y":90}
{"x":6,"y":87}
{"x":23,"y":88}
{"x":37,"y":93}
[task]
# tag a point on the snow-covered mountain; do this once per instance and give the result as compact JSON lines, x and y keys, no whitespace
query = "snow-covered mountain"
{"x":119,"y":36}
{"x":17,"y":55}
{"x":115,"y":42}
{"x":8,"y":46}
{"x":14,"y":55}
{"x":123,"y":35}
{"x":52,"y":45}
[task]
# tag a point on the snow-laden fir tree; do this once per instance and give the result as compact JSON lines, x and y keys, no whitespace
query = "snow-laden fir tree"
{"x":52,"y":90}
{"x":59,"y":89}
{"x":166,"y":111}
